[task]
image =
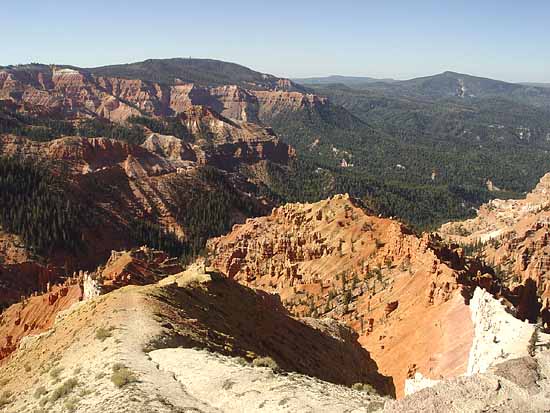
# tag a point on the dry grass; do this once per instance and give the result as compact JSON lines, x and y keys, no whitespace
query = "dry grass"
{"x":5,"y":398}
{"x":122,"y":375}
{"x":103,"y":333}
{"x":266,"y":362}
{"x":63,"y":389}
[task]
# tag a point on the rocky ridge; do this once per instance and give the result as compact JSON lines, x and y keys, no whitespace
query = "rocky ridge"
{"x":145,"y":182}
{"x":37,"y":312}
{"x":77,"y":93}
{"x":406,"y":296}
{"x":155,"y":334}
{"x":513,"y":235}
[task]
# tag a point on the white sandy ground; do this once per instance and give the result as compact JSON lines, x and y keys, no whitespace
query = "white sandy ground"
{"x":229,"y":386}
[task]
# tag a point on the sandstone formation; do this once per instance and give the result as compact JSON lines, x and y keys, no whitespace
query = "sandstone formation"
{"x":514,"y":237}
{"x":519,"y":385}
{"x":76,"y":93}
{"x":406,"y":296}
{"x":20,"y":274}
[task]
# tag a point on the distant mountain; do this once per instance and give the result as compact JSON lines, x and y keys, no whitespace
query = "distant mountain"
{"x":458,"y":85}
{"x":535,"y":84}
{"x":422,"y":150}
{"x":205,"y":72}
{"x":337,"y":79}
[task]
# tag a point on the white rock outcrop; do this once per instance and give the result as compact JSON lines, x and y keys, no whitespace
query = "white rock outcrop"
{"x":91,"y":285}
{"x":498,"y":335}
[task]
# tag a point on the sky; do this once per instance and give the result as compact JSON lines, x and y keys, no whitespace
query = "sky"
{"x":507,"y":40}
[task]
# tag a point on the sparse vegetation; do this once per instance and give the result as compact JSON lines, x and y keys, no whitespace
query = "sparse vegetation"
{"x":39,"y":392}
{"x":122,"y":375}
{"x":103,"y":333}
{"x":364,"y":387}
{"x":266,"y":362}
{"x":56,"y":372}
{"x":63,"y":389}
{"x":5,"y":398}
{"x":71,"y":404}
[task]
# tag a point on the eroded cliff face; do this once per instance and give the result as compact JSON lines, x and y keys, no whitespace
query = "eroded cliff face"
{"x":119,"y":182}
{"x":36,"y":313}
{"x":75,"y":93}
{"x":498,"y":335}
{"x":406,"y":296}
{"x":227,"y":143}
{"x":514,"y":236}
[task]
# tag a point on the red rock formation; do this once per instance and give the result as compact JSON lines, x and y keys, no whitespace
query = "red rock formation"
{"x":143,"y":180}
{"x":137,"y":267}
{"x":37,"y":313}
{"x":514,"y":236}
{"x":404,"y":295}
{"x":74,"y":93}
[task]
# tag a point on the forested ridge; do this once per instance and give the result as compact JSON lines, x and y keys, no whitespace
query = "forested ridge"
{"x":207,"y":208}
{"x":35,"y":205}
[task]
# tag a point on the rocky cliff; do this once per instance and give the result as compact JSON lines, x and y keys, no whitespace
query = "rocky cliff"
{"x":406,"y":296}
{"x":76,"y":93}
{"x":514,"y":236}
{"x":37,"y":312}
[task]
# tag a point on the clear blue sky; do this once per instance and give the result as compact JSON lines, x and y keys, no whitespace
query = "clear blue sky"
{"x":505,"y":39}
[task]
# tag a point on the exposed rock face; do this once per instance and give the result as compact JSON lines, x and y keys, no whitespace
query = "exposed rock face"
{"x":519,"y":385}
{"x":169,"y":147}
{"x":498,"y":335}
{"x":76,"y":93}
{"x":273,"y":103}
{"x":35,"y":314}
{"x":404,"y":295}
{"x":144,"y":182}
{"x":20,"y":275}
{"x":137,"y":267}
{"x":231,"y":143}
{"x":514,"y":235}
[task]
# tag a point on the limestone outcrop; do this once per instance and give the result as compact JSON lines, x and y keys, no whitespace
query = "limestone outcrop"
{"x":498,"y":335}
